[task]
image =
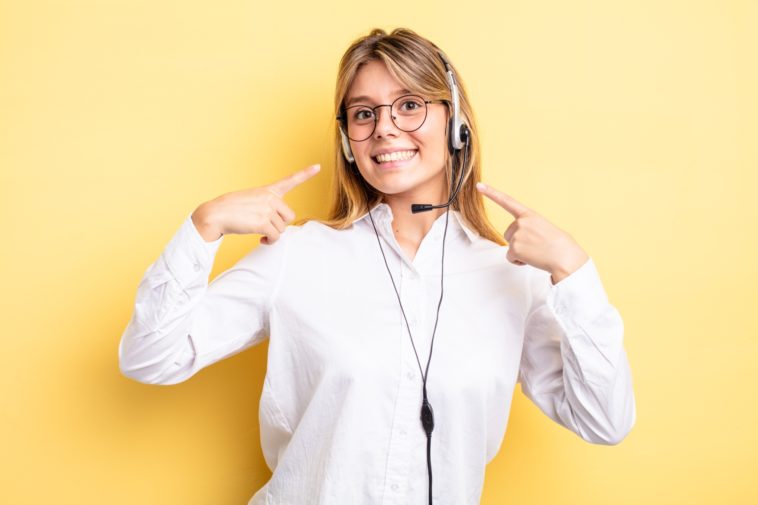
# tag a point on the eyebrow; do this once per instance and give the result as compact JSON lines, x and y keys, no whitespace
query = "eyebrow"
{"x":368,"y":99}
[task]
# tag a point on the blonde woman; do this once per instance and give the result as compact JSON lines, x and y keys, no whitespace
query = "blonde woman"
{"x":396,"y":338}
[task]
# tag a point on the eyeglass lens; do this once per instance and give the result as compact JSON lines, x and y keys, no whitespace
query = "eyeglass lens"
{"x":408,"y":113}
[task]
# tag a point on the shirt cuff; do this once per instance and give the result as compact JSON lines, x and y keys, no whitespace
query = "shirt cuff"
{"x":188,"y":255}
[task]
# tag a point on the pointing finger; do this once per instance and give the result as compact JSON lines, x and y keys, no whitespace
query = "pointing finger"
{"x":284,"y":211}
{"x":507,"y":202}
{"x":299,"y":177}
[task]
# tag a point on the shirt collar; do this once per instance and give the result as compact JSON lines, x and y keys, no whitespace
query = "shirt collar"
{"x":382,"y":213}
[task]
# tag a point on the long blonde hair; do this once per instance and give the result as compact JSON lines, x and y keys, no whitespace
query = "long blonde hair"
{"x":415,"y":63}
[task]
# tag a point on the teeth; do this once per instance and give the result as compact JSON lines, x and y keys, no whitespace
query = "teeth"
{"x":398,"y":155}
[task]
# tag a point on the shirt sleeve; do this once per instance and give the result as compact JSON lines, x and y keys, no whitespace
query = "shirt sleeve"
{"x":181,"y":324}
{"x":573,"y":365}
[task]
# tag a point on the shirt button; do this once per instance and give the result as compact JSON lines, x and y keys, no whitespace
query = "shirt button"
{"x":394,"y":487}
{"x":403,"y":433}
{"x":409,"y":376}
{"x":197,"y":267}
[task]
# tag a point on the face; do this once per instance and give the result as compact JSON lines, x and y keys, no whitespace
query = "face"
{"x":422,"y":176}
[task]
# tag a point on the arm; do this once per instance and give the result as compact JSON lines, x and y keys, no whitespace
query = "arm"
{"x":182,"y":324}
{"x":574,"y":366}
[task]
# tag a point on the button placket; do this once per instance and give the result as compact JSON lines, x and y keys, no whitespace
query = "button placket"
{"x":398,"y":464}
{"x":405,"y":423}
{"x":406,"y":412}
{"x":409,"y":294}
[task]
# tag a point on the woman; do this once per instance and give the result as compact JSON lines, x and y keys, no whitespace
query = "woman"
{"x":351,"y":410}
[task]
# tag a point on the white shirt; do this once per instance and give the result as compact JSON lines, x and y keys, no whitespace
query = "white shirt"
{"x":341,"y":400}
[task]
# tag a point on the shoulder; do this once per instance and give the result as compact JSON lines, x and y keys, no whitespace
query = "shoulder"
{"x":485,"y":255}
{"x":481,"y":250}
{"x":314,"y":238}
{"x":315,"y":232}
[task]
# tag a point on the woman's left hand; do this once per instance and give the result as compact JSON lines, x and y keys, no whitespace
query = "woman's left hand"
{"x":535,"y":241}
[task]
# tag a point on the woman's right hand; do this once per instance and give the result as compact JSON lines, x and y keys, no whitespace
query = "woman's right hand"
{"x":256,"y":210}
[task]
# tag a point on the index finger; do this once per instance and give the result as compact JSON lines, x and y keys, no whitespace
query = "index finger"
{"x":507,"y":202}
{"x":299,"y":177}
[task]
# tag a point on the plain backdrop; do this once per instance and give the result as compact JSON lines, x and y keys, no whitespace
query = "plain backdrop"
{"x":631,"y":125}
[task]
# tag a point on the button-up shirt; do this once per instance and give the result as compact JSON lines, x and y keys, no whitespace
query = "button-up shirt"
{"x":340,"y":407}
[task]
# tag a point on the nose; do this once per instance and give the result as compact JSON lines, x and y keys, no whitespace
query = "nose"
{"x":384,"y":123}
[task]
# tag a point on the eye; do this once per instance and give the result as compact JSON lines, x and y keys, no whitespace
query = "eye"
{"x":363,"y":114}
{"x":411,"y":104}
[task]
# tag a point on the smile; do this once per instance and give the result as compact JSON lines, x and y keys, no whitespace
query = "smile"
{"x":396,"y":156}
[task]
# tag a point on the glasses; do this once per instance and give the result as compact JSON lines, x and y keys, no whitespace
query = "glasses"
{"x":407,"y":112}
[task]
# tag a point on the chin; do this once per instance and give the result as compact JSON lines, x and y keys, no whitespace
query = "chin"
{"x":396,"y":178}
{"x":393,"y":182}
{"x":402,"y":186}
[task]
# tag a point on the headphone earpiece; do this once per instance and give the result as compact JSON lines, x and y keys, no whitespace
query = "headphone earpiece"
{"x":458,"y":134}
{"x":346,"y":151}
{"x":451,"y":134}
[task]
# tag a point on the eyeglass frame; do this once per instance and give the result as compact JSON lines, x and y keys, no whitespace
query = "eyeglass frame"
{"x":342,"y":118}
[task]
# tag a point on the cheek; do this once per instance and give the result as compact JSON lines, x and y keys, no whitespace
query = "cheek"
{"x":437,"y":136}
{"x":435,"y":148}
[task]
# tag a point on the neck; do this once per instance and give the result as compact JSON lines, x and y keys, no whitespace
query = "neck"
{"x":409,"y":226}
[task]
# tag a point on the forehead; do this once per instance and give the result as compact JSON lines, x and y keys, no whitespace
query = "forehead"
{"x":374,"y":83}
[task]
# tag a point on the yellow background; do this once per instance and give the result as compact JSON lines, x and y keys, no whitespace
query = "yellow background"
{"x":631,"y":125}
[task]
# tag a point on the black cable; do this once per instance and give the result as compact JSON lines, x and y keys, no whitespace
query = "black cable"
{"x":427,"y":414}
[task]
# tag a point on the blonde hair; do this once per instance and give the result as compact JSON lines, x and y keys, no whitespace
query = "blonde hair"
{"x":414,"y":61}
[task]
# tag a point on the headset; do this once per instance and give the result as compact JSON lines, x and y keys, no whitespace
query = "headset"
{"x":458,"y":137}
